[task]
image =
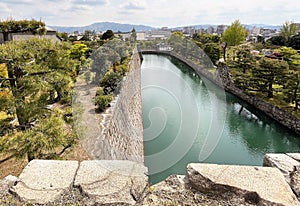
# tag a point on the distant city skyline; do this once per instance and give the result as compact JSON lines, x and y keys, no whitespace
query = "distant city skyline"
{"x":155,"y":13}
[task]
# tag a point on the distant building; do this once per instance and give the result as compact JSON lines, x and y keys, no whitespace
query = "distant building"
{"x":268,"y":33}
{"x":210,"y":30}
{"x":75,"y":37}
{"x":124,"y":35}
{"x":165,"y":28}
{"x":19,"y":36}
{"x":200,"y":31}
{"x":188,"y":30}
{"x":158,"y":34}
{"x":256,"y":31}
{"x":221,"y":29}
{"x":141,"y":36}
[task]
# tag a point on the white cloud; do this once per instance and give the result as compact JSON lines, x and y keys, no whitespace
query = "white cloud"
{"x":4,"y":9}
{"x":17,"y":1}
{"x":133,"y":5}
{"x":152,"y":12}
{"x":90,"y":2}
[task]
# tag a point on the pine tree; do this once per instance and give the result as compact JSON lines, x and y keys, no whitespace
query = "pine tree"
{"x":268,"y":73}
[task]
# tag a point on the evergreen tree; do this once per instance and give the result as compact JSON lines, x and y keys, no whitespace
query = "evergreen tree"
{"x":133,"y":35}
{"x":39,"y":73}
{"x":291,"y":89}
{"x":109,"y":34}
{"x":244,"y":58}
{"x":235,"y":34}
{"x":268,"y":73}
{"x":295,"y":42}
{"x":287,"y":30}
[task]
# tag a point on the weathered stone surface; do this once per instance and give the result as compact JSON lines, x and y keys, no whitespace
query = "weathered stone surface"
{"x":43,"y":181}
{"x":7,"y":183}
{"x":175,"y":190}
{"x":121,"y":137}
{"x":118,"y":182}
{"x":260,"y":185}
{"x":164,"y":193}
{"x":295,"y":181}
{"x":10,"y":180}
{"x":295,"y":156}
{"x":283,"y":162}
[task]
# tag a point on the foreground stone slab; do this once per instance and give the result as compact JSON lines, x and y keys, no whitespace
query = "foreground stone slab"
{"x":295,"y":181}
{"x":295,"y":156}
{"x":117,"y":182}
{"x":175,"y":190}
{"x":7,"y":183}
{"x":258,"y":185}
{"x":43,"y":181}
{"x":283,"y":162}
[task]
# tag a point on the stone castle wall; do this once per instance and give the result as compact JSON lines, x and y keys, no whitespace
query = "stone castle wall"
{"x":269,"y":109}
{"x":25,"y":36}
{"x":123,"y":132}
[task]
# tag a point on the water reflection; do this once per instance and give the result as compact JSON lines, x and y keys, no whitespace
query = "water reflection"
{"x":247,"y":134}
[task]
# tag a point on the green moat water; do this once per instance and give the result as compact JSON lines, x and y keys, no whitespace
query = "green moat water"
{"x":187,"y":119}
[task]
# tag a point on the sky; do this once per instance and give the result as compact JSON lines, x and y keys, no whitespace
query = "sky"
{"x":156,"y":13}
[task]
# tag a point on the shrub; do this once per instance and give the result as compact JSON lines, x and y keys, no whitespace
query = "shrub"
{"x":102,"y":102}
{"x":110,"y":82}
{"x":99,"y":91}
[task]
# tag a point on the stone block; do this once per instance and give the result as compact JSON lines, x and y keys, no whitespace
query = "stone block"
{"x":7,"y":183}
{"x":117,"y":182}
{"x":44,"y":181}
{"x":283,"y":162}
{"x":295,"y":156}
{"x":258,"y":185}
{"x":295,"y":181}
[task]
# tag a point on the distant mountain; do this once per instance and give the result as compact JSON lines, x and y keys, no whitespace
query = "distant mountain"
{"x":248,"y":26}
{"x":103,"y":26}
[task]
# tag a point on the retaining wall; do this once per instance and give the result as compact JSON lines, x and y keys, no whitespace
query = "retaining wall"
{"x":123,"y":132}
{"x":280,"y":115}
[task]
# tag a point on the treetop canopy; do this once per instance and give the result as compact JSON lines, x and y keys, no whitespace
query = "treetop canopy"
{"x":21,"y":26}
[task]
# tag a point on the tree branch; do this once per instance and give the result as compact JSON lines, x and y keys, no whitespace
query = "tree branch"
{"x":7,"y":158}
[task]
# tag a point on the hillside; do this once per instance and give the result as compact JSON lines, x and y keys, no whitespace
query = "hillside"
{"x":248,"y":26}
{"x":103,"y":26}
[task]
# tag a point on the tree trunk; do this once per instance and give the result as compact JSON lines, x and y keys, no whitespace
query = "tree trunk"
{"x":270,"y":90}
{"x":12,"y":80}
{"x":296,"y":96}
{"x":224,"y":52}
{"x":30,"y":157}
{"x":244,"y":69}
{"x":5,"y":36}
{"x":241,"y":109}
{"x":114,"y":67}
